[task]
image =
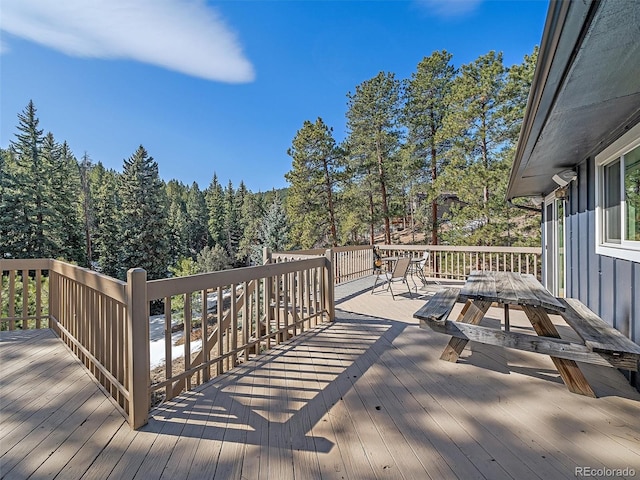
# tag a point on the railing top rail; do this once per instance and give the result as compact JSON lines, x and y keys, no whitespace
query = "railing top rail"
{"x":353,"y":248}
{"x":311,"y":252}
{"x":175,"y":286}
{"x":455,"y":248}
{"x":294,"y":255}
{"x":321,"y":251}
{"x":25,"y":264}
{"x":109,"y":286}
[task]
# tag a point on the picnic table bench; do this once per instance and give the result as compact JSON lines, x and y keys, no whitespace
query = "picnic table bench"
{"x":601,"y":343}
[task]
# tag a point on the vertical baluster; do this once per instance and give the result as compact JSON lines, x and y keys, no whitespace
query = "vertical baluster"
{"x":168,"y":354}
{"x":38,"y":298}
{"x":1,"y":289}
{"x":220,"y":311}
{"x":234,"y":324}
{"x":286,"y":297}
{"x":187,"y":337}
{"x":12,"y":300}
{"x":204,"y":328}
{"x":246,"y":324}
{"x":451,"y":265}
{"x":227,"y":340}
{"x":92,"y":320}
{"x":25,"y":299}
{"x":278,"y":311}
{"x":122,"y":342}
{"x":295,"y":296}
{"x":307,"y":292}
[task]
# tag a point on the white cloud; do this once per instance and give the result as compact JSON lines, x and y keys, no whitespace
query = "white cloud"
{"x":449,"y":8}
{"x":181,"y":35}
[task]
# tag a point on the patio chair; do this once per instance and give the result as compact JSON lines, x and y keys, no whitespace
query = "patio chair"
{"x":420,"y":269}
{"x":399,"y":274}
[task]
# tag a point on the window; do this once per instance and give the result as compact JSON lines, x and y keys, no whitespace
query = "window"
{"x":611,"y":202}
{"x":618,"y":206}
{"x":632,"y":194}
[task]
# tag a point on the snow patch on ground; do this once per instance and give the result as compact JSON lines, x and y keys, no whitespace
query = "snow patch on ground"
{"x":157,"y":352}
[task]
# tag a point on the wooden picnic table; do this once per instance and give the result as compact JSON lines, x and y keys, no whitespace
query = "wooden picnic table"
{"x":603,"y":345}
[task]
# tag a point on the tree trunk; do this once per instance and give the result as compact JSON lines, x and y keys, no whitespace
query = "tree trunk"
{"x":485,"y":160}
{"x":383,"y":192}
{"x":332,"y":217}
{"x":434,"y":202}
{"x":371,"y":223}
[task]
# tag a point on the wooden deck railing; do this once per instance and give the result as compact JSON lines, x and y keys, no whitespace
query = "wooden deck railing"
{"x":444,"y":261}
{"x":223,"y":317}
{"x":452,"y":262}
{"x":229,"y":316}
{"x":24,"y":294}
{"x":349,"y":263}
{"x":105,"y":322}
{"x":87,"y":310}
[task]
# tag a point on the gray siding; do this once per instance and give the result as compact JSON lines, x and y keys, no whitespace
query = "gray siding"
{"x":608,"y":286}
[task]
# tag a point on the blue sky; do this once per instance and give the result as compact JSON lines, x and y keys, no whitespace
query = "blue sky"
{"x":224,"y":86}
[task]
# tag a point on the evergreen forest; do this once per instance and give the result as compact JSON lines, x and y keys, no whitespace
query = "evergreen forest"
{"x":429,"y":155}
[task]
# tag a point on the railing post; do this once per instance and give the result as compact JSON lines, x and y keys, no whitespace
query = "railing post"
{"x":138,"y":347}
{"x":329,"y":286}
{"x":266,"y":255}
{"x":53,"y":309}
{"x":269,"y":295}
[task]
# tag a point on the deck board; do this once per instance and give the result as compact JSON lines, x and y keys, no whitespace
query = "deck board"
{"x":365,"y":397}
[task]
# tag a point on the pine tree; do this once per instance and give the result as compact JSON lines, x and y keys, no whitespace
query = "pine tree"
{"x":144,"y":216}
{"x":86,"y":202}
{"x":31,"y":188}
{"x":212,"y":259}
{"x":178,"y":231}
{"x":10,"y":209}
{"x":214,"y":197}
{"x":274,"y":230}
{"x":427,"y":97}
{"x":316,"y":169}
{"x":476,"y":127}
{"x":242,"y":257}
{"x":516,"y":93}
{"x":252,"y":213}
{"x":361,"y":214}
{"x":357,"y":222}
{"x":374,"y":134}
{"x":106,"y":216}
{"x":232,"y":226}
{"x":66,"y":225}
{"x":197,"y":233}
{"x":485,"y":112}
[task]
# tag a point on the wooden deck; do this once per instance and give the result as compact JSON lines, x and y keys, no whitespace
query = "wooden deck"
{"x":365,"y":397}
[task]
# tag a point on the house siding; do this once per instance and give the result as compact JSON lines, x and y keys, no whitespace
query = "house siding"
{"x":608,"y":286}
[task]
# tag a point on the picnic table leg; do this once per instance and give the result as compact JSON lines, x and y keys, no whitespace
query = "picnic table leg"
{"x":507,"y":326}
{"x":471,"y":313}
{"x":573,"y":378}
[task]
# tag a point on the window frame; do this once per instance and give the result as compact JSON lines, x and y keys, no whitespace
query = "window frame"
{"x":626,"y":249}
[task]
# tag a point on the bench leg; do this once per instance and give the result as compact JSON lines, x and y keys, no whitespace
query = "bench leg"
{"x":472,"y":313}
{"x":507,"y":326}
{"x":573,"y":378}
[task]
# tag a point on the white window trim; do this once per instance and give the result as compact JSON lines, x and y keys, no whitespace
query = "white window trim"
{"x":626,"y":249}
